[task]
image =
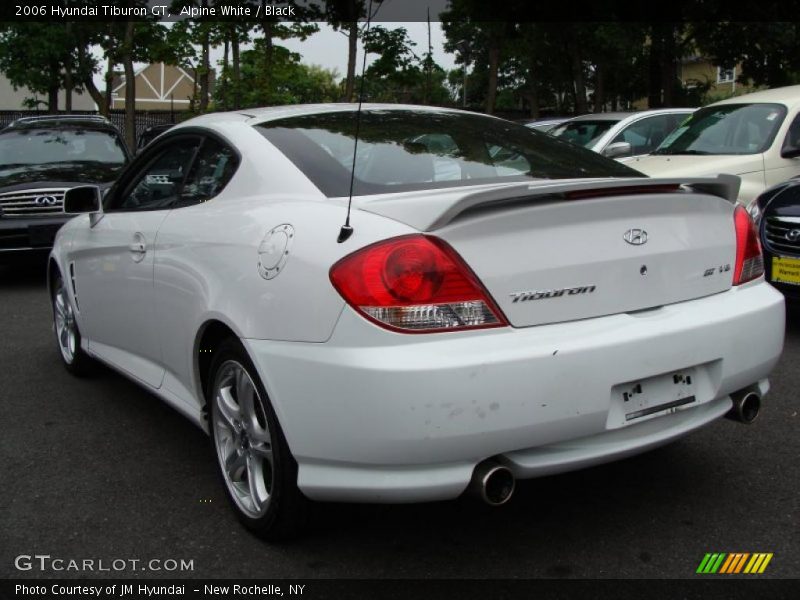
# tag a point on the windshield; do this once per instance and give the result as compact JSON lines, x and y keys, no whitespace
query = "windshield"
{"x":582,"y":133}
{"x":402,"y":150}
{"x":726,"y":129}
{"x":21,"y":147}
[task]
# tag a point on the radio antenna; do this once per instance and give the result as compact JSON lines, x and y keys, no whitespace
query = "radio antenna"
{"x":346,"y":231}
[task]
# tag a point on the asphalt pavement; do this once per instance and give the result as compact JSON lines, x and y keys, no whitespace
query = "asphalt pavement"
{"x":99,"y":469}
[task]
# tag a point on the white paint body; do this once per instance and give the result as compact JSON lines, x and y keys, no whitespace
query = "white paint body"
{"x":374,"y":415}
{"x":757,"y":171}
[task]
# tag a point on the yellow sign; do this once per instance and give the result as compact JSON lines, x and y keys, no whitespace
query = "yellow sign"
{"x":786,"y":270}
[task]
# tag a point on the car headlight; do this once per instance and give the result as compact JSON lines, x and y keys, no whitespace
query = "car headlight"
{"x":755,"y":212}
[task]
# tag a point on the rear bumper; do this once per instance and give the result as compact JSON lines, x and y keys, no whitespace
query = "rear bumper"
{"x":383,"y":417}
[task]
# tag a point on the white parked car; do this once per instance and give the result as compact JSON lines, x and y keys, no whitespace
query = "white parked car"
{"x":504,"y":305}
{"x":622,"y":134}
{"x":755,"y":136}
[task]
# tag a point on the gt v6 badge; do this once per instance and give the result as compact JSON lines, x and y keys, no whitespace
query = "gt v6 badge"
{"x":719,"y":269}
{"x":541,"y":295}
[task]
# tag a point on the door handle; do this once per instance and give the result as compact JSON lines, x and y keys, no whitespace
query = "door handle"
{"x":138,"y":247}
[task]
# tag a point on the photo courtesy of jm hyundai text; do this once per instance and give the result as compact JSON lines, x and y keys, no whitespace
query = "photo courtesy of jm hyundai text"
{"x":405,"y":304}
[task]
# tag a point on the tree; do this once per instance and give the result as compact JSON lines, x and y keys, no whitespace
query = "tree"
{"x":292,"y":81}
{"x":344,"y":15}
{"x":768,"y":52}
{"x":468,"y":25}
{"x":48,"y":46}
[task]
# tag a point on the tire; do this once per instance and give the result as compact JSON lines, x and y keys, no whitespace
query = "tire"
{"x":68,"y":335}
{"x":257,"y":469}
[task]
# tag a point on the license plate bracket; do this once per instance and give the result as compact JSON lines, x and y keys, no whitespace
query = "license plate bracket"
{"x":651,"y":397}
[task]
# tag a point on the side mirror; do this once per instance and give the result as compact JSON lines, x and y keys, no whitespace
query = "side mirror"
{"x":618,"y":149}
{"x":790,"y":151}
{"x":84,"y":199}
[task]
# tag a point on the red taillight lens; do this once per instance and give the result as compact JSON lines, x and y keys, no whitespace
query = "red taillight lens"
{"x":415,"y":283}
{"x":749,"y":261}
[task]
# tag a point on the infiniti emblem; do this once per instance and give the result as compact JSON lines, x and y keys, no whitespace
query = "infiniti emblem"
{"x":793,"y":235}
{"x":45,"y":201}
{"x":637,"y":237}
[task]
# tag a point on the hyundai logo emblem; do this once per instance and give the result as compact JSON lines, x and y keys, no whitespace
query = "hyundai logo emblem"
{"x":637,"y":237}
{"x":45,"y":201}
{"x":793,"y":235}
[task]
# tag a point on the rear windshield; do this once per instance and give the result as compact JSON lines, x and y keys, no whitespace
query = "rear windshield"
{"x":726,"y":129}
{"x":582,"y":133}
{"x":401,"y":150}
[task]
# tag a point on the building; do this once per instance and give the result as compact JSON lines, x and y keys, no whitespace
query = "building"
{"x":158,"y":87}
{"x":698,"y":71}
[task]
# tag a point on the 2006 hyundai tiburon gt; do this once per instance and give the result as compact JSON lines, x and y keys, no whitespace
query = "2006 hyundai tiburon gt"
{"x":506,"y":306}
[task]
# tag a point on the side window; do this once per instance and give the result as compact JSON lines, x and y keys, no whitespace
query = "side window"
{"x":212,"y":170}
{"x":158,"y":184}
{"x":793,"y":134}
{"x":646,"y":135}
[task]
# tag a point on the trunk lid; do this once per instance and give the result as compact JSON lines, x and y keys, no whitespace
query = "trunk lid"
{"x":559,"y":252}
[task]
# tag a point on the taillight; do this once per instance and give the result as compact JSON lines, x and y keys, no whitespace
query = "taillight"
{"x":749,"y":261}
{"x":415,"y":283}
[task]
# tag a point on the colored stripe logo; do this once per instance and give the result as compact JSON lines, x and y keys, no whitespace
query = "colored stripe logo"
{"x":734,"y":562}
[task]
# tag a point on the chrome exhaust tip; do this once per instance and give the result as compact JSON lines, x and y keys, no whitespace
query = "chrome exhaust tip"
{"x":746,"y":406}
{"x":493,"y":483}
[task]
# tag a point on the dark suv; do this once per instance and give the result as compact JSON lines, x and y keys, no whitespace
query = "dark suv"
{"x":42,"y":157}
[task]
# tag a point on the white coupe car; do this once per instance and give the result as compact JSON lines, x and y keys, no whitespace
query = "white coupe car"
{"x":505,"y":306}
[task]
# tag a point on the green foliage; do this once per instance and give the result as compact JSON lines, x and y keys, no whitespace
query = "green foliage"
{"x":291,"y":82}
{"x":769,"y":53}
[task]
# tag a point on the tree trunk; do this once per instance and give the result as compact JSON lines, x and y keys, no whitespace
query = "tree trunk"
{"x":88,"y":81}
{"x":533,"y":94}
{"x":267,"y":71}
{"x":494,"y":63}
{"x":654,"y":99}
{"x":204,"y":63}
{"x":237,"y":76}
{"x":576,"y":65}
{"x":105,"y":107}
{"x":599,"y":89}
{"x":352,"y":49}
{"x":52,"y":99}
{"x":130,"y":86}
{"x":668,"y":66}
{"x":69,"y":83}
{"x":225,"y":75}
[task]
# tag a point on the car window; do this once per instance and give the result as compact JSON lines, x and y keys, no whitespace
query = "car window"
{"x":726,"y":129}
{"x":210,"y":173}
{"x":792,"y":139}
{"x":39,"y":146}
{"x":645,"y":135}
{"x":400,"y":150}
{"x":582,"y":133}
{"x":158,"y":184}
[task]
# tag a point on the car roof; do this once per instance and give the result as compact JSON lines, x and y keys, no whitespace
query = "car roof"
{"x":44,"y":121}
{"x":254,"y":116}
{"x":788,"y":96}
{"x":619,"y":116}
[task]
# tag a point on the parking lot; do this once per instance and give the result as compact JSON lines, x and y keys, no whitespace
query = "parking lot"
{"x":100,"y":469}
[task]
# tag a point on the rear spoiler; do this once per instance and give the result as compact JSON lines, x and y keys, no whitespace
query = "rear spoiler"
{"x":723,"y":186}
